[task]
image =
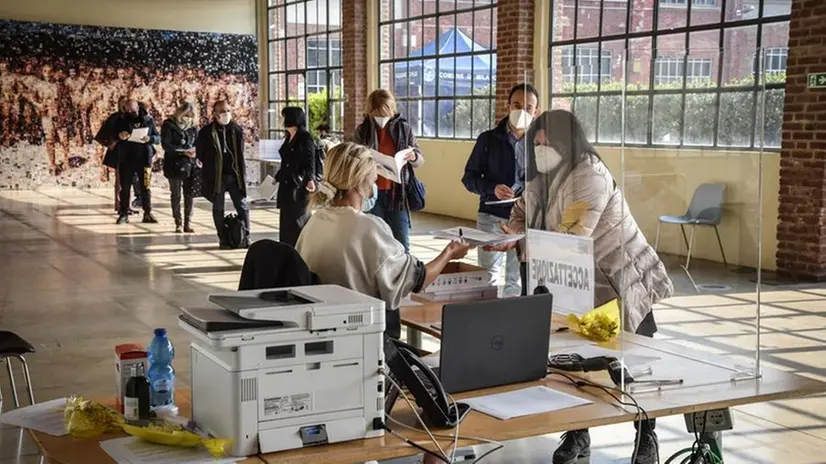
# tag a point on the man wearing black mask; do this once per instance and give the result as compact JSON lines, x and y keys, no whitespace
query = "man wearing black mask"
{"x":220,"y":149}
{"x":107,"y":136}
{"x":135,"y":157}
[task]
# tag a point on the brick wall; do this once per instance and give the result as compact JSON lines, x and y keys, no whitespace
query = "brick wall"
{"x":354,"y":60}
{"x":514,"y":42}
{"x":801,"y":229}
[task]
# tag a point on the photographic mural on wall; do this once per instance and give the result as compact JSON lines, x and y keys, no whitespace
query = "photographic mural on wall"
{"x":59,"y":83}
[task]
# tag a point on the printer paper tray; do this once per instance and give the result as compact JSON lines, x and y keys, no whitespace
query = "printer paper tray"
{"x":221,"y":320}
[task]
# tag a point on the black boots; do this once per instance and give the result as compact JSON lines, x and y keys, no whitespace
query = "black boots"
{"x":576,"y":445}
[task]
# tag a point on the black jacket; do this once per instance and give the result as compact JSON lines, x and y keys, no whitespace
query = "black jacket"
{"x":174,"y":138}
{"x":107,"y":136}
{"x":209,"y":152}
{"x":402,"y":135}
{"x":298,"y":167}
{"x":271,"y":264}
{"x":492,"y":162}
{"x":134,"y":152}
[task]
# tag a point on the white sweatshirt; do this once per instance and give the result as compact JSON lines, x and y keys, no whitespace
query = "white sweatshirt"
{"x":357,"y":251}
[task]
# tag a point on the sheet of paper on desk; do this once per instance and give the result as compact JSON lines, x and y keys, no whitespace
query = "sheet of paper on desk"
{"x":44,"y":417}
{"x":477,"y":237}
{"x":131,"y":450}
{"x":138,"y":134}
{"x":525,"y":402}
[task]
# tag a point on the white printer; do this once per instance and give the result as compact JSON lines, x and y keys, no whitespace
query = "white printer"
{"x":280,"y":369}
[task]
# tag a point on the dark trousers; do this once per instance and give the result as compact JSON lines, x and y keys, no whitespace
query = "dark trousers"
{"x":127,"y":170}
{"x":230,"y":185}
{"x":647,"y":328}
{"x":178,"y":187}
{"x":290,"y":223}
{"x":136,"y":188}
{"x":399,"y":221}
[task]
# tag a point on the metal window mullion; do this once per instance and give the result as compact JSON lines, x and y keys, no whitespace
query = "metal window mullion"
{"x":652,"y":68}
{"x":685,"y":80}
{"x":720,"y":60}
{"x":599,"y":68}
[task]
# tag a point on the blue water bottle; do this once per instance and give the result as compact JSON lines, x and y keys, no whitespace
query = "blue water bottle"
{"x":161,"y":374}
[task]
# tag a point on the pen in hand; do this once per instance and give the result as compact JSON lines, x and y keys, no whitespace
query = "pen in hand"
{"x":461,"y":235}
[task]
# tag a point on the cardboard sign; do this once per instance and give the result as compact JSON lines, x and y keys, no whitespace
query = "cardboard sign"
{"x":565,"y":265}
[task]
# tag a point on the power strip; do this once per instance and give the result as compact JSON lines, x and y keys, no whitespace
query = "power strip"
{"x":715,"y":420}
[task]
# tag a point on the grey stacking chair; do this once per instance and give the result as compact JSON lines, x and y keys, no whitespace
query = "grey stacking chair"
{"x":706,"y":209}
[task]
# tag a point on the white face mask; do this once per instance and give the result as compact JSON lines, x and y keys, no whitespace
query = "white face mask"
{"x":381,"y":121}
{"x":224,"y":118}
{"x":520,"y":119}
{"x":547,"y":159}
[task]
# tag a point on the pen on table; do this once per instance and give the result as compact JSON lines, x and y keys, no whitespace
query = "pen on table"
{"x":461,"y":235}
{"x":660,"y":382}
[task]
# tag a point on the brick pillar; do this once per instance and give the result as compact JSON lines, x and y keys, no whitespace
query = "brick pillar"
{"x":514,"y":48}
{"x":801,"y":228}
{"x":354,"y":60}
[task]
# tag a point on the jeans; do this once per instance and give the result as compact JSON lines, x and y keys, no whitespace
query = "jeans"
{"x":177,"y":186}
{"x":230,"y":185}
{"x":127,"y":169}
{"x":399,"y":221}
{"x":492,"y":260}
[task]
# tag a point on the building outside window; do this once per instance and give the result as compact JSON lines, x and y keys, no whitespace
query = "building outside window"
{"x":678,"y":76}
{"x":439,"y":59}
{"x":304,"y":56}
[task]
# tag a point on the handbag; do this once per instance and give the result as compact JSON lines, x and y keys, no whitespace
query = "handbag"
{"x":415,"y":192}
{"x":182,"y":168}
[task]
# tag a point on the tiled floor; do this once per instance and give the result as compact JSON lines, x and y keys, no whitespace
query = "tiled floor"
{"x":74,"y":284}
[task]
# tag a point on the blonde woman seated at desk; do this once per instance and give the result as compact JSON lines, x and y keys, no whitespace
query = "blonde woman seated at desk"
{"x":344,"y":246}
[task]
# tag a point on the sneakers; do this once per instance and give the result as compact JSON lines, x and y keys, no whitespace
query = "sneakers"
{"x":648,"y":452}
{"x":574,"y":446}
{"x":188,"y":229}
{"x":224,"y":246}
{"x":179,"y":229}
{"x":149,"y":219}
{"x":122,"y":219}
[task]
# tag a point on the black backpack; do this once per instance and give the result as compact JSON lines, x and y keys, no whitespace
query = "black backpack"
{"x":233,"y":231}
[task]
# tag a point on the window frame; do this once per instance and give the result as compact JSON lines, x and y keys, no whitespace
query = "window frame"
{"x":719,"y":89}
{"x":437,"y":98}
{"x":323,"y":36}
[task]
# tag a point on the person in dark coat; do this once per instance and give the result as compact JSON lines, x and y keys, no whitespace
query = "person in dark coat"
{"x":220,"y":149}
{"x":135,"y":158}
{"x":297,"y":175}
{"x":178,"y":134}
{"x":385,"y":131}
{"x":107,"y":136}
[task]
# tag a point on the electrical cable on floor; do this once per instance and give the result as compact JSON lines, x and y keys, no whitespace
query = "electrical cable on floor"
{"x":641,"y":413}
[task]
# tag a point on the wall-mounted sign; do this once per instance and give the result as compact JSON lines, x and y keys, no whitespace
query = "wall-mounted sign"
{"x":817,"y":80}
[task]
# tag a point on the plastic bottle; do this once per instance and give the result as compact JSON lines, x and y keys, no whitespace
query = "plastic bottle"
{"x":161,"y":374}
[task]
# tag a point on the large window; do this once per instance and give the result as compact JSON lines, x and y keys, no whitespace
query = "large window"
{"x":438,"y":57}
{"x":305,"y":61}
{"x":708,"y":73}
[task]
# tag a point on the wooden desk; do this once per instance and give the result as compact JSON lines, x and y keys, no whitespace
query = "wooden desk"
{"x":694,"y":396}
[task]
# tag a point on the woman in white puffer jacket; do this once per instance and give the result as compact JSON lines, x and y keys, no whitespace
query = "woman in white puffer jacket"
{"x":570,"y":190}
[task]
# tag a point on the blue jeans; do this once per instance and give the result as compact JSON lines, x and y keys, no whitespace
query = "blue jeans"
{"x":399,"y":221}
{"x":492,"y":260}
{"x":230,"y":185}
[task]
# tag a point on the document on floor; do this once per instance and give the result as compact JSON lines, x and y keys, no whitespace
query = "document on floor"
{"x":525,"y":402}
{"x":132,"y":450}
{"x":138,"y":134}
{"x":477,"y":237}
{"x":390,"y":167}
{"x":44,"y":417}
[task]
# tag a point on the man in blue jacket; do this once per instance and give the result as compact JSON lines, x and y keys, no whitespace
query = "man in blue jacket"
{"x":496,"y":172}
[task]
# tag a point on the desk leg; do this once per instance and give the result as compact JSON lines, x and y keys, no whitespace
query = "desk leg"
{"x":414,"y":337}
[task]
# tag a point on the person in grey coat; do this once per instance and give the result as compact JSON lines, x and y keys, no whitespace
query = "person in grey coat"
{"x":570,"y":190}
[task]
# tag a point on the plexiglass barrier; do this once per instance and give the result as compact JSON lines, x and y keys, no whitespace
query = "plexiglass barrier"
{"x":658,"y":162}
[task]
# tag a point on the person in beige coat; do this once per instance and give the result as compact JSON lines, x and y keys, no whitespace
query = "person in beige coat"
{"x":570,"y":190}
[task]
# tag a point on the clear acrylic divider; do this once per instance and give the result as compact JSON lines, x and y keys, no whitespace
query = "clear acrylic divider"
{"x":683,"y":140}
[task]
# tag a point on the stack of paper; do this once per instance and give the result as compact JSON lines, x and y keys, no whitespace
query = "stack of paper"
{"x":525,"y":402}
{"x":44,"y":417}
{"x":477,"y":237}
{"x":131,"y":450}
{"x":138,"y":134}
{"x":390,"y":167}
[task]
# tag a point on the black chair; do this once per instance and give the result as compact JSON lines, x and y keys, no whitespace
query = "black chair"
{"x":271,"y":264}
{"x":12,"y":346}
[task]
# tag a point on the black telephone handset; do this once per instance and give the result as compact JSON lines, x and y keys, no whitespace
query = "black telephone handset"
{"x":437,"y":410}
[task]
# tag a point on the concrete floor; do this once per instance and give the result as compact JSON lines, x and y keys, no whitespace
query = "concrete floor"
{"x":75,"y":285}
